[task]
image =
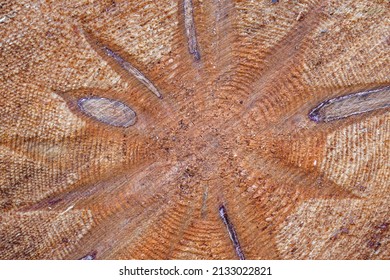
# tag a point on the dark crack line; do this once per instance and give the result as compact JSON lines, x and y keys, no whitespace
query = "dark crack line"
{"x":105,"y":51}
{"x":132,"y":70}
{"x":231,"y":231}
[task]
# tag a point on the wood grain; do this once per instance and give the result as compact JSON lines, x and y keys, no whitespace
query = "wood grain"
{"x":233,"y":130}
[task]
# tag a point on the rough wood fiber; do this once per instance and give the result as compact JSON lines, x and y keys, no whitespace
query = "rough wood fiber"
{"x":232,"y":132}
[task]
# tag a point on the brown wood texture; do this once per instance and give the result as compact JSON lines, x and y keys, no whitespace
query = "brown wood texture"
{"x":198,"y":142}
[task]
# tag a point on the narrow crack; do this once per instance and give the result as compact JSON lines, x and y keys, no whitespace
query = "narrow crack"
{"x":232,"y":233}
{"x":189,"y":25}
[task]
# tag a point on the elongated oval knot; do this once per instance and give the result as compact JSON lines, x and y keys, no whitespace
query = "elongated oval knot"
{"x":111,"y":112}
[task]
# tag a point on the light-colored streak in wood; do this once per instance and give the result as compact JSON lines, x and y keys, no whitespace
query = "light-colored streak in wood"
{"x":189,"y":25}
{"x":132,"y":70}
{"x":352,"y":104}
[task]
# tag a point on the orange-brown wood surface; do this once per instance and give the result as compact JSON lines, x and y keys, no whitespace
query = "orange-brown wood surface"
{"x":203,"y":129}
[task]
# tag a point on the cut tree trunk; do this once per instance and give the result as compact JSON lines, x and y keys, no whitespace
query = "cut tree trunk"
{"x":190,"y":129}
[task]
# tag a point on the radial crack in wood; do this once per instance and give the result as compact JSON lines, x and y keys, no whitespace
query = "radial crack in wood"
{"x":232,"y":232}
{"x":189,"y":25}
{"x":133,"y":71}
{"x":119,"y":60}
{"x":351,"y":104}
